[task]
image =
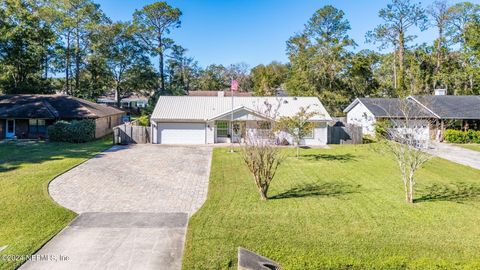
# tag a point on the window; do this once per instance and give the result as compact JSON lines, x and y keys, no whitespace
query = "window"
{"x":41,"y":127}
{"x":311,"y":134}
{"x":109,"y":120}
{"x":222,"y":129}
{"x":32,"y":126}
{"x":36,"y":126}
{"x":263,"y":125}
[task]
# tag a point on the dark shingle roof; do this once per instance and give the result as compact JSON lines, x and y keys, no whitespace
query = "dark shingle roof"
{"x":452,"y":107}
{"x":394,"y":107}
{"x":52,"y":107}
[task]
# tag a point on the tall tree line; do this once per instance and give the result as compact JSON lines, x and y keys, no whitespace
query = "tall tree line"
{"x":324,"y":64}
{"x":71,"y":46}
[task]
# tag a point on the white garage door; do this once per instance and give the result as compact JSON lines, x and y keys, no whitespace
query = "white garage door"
{"x":181,"y":133}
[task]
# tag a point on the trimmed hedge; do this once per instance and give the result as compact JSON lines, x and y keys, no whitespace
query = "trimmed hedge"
{"x":73,"y":132}
{"x":459,"y":136}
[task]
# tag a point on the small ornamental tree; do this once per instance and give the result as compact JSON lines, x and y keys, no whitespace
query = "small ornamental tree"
{"x":298,"y":126}
{"x":261,"y":154}
{"x":403,"y":137}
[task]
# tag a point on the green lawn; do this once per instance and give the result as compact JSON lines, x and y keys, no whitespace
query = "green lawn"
{"x":475,"y":147}
{"x":340,"y":208}
{"x":28,"y":216}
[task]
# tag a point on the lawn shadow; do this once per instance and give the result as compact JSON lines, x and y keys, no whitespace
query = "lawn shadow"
{"x":21,"y":153}
{"x":457,"y":192}
{"x":7,"y":167}
{"x":329,"y":189}
{"x":329,"y":157}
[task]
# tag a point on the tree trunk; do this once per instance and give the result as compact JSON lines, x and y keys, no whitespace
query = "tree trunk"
{"x":439,"y":50}
{"x":67,"y":68}
{"x":411,"y":182}
{"x":77,"y":61}
{"x":401,"y":63}
{"x":263,"y":194}
{"x":117,"y":92}
{"x":160,"y":64}
{"x":395,"y":70}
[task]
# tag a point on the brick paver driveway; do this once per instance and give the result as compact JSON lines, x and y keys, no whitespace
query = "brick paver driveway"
{"x":134,"y":203}
{"x":140,"y":178}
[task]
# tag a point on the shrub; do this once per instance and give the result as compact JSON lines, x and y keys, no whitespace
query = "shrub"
{"x":143,"y":121}
{"x":73,"y":132}
{"x":381,"y":127}
{"x":459,"y":136}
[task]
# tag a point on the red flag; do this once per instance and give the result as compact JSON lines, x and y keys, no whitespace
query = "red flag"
{"x":234,"y":86}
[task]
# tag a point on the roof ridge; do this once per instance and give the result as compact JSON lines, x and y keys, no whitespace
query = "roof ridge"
{"x":80,"y":101}
{"x":50,"y":108}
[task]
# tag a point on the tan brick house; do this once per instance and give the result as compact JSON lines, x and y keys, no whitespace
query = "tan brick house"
{"x":28,"y":116}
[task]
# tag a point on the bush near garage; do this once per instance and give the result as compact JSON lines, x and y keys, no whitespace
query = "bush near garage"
{"x":459,"y":136}
{"x":73,"y":132}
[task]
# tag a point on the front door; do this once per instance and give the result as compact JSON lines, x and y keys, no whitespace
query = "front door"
{"x":10,"y":128}
{"x":238,"y":131}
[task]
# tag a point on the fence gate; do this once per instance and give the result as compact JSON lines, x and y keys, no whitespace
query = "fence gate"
{"x":131,"y":134}
{"x":349,"y":134}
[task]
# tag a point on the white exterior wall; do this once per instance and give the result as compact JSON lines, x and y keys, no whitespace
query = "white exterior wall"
{"x":320,"y":136}
{"x":361,"y":116}
{"x":210,"y":132}
{"x":320,"y":133}
{"x":153,"y":132}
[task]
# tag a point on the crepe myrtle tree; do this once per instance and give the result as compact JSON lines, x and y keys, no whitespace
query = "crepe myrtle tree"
{"x":298,"y":125}
{"x":402,"y":136}
{"x":260,"y":152}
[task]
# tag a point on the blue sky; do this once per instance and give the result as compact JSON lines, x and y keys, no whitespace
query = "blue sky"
{"x":254,"y":31}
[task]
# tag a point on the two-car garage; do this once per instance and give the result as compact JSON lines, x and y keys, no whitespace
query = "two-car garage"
{"x":181,"y":133}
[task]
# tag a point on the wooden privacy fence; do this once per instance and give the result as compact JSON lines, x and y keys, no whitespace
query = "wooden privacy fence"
{"x":131,"y":134}
{"x":349,"y":134}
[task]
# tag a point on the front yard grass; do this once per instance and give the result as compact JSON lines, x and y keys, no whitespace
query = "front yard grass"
{"x":474,"y":147}
{"x":28,"y":216}
{"x":339,"y":208}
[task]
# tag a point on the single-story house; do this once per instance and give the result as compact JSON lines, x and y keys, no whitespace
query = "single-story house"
{"x":28,"y":116}
{"x":214,"y":93}
{"x":131,"y":102}
{"x":208,"y":119}
{"x":439,"y":112}
{"x":365,"y":112}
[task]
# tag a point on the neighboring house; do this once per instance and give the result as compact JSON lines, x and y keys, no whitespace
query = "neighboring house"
{"x":207,"y":120}
{"x":28,"y":116}
{"x":365,"y":112}
{"x":132,"y":102}
{"x":441,"y":111}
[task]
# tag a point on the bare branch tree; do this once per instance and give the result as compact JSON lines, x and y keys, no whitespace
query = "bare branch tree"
{"x":260,"y":152}
{"x":405,"y":136}
{"x":298,"y":125}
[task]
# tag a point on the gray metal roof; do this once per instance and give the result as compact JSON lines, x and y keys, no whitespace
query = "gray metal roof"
{"x":392,"y":107}
{"x":201,"y":108}
{"x":452,"y":107}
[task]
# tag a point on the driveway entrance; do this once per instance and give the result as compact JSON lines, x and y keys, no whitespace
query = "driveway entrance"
{"x":134,"y":203}
{"x":456,"y":154}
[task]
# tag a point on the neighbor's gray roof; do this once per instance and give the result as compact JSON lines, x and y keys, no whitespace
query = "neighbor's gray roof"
{"x":201,"y":108}
{"x":392,"y":107}
{"x":452,"y":107}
